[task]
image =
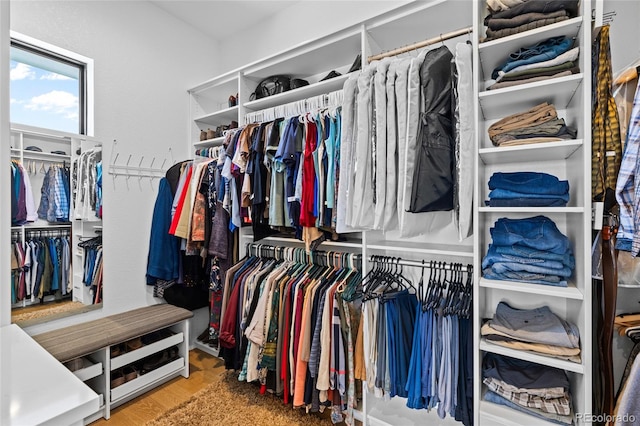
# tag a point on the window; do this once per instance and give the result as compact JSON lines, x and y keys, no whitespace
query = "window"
{"x":48,"y":86}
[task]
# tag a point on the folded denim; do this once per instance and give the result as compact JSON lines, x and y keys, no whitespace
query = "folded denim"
{"x":537,"y":115}
{"x":493,"y":397}
{"x":542,"y":51}
{"x":505,"y":194}
{"x":537,"y":232}
{"x":570,"y":55}
{"x":496,"y":34}
{"x":538,"y":325}
{"x":566,"y":258}
{"x":525,"y":18}
{"x":525,"y":278}
{"x":526,"y":202}
{"x":508,"y":267}
{"x":506,"y":184}
{"x":537,"y":6}
{"x":523,"y":374}
{"x":493,"y":256}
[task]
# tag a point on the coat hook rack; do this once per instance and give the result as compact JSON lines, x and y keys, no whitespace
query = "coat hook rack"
{"x":131,"y":170}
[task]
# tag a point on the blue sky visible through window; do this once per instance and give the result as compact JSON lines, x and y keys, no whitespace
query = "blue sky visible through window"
{"x":44,"y":92}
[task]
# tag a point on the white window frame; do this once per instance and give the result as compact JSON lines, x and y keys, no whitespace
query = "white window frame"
{"x":88,"y":69}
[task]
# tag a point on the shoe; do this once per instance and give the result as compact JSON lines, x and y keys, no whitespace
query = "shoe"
{"x":134,"y":344}
{"x":130,"y":372}
{"x":357,"y":64}
{"x":75,"y":364}
{"x":155,"y":361}
{"x":202,"y":335}
{"x":117,"y":350}
{"x":117,"y":378}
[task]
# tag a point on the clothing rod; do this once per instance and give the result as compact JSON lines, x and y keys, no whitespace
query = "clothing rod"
{"x":421,"y":44}
{"x":448,"y":266}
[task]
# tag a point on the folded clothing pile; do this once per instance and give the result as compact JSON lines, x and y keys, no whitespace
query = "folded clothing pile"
{"x":544,"y":60}
{"x":508,"y":17}
{"x":538,"y":124}
{"x":534,"y":330}
{"x":530,"y":250}
{"x":527,"y":189}
{"x":543,"y":392}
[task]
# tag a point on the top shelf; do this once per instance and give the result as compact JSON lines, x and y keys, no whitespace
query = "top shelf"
{"x":300,"y":93}
{"x":495,"y":52}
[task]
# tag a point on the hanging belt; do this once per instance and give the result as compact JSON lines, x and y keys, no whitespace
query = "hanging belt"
{"x":610,"y":288}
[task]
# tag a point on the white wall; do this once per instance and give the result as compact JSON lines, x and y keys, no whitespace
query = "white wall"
{"x":624,"y":33}
{"x":145,"y":60}
{"x":5,"y":207}
{"x":303,"y":21}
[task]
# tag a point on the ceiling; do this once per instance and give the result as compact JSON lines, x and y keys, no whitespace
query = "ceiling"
{"x":220,"y":19}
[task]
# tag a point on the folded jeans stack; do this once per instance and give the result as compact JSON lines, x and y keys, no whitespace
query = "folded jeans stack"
{"x":508,"y":17}
{"x":538,"y":124}
{"x":530,"y":250}
{"x":533,"y":330}
{"x":547,"y":59}
{"x":527,"y":189}
{"x":543,"y":392}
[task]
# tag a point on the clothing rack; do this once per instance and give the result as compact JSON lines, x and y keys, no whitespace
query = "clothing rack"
{"x":334,"y":258}
{"x":300,"y":255}
{"x":327,"y":100}
{"x":446,"y":266}
{"x":421,"y":44}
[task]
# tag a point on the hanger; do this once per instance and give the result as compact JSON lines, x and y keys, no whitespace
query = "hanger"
{"x":628,"y":73}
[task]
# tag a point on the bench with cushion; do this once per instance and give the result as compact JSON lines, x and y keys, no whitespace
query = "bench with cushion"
{"x":92,"y":343}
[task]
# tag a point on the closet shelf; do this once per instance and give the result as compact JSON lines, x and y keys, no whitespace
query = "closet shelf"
{"x":209,"y":142}
{"x":90,"y":372}
{"x":146,"y":350}
{"x":570,"y":292}
{"x":45,"y":227}
{"x":532,"y":210}
{"x":532,"y":357}
{"x":294,"y":242}
{"x":495,"y":52}
{"x":146,"y":380}
{"x":422,"y":248}
{"x":223,"y":116}
{"x":206,"y":348}
{"x":35,"y":155}
{"x":546,"y":151}
{"x":308,"y":59}
{"x":300,"y":93}
{"x":494,"y":414}
{"x":496,"y":104}
{"x":394,"y":412}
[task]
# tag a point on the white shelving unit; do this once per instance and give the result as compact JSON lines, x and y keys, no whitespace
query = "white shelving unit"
{"x":312,"y":61}
{"x":570,"y":160}
{"x":23,"y":137}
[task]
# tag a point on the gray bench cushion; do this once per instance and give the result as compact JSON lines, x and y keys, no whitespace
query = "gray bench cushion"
{"x":81,"y":339}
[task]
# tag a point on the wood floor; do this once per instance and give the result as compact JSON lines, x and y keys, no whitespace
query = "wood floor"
{"x":203,"y":368}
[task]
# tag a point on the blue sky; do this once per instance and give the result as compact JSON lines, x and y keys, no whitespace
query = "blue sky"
{"x":43,"y":98}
